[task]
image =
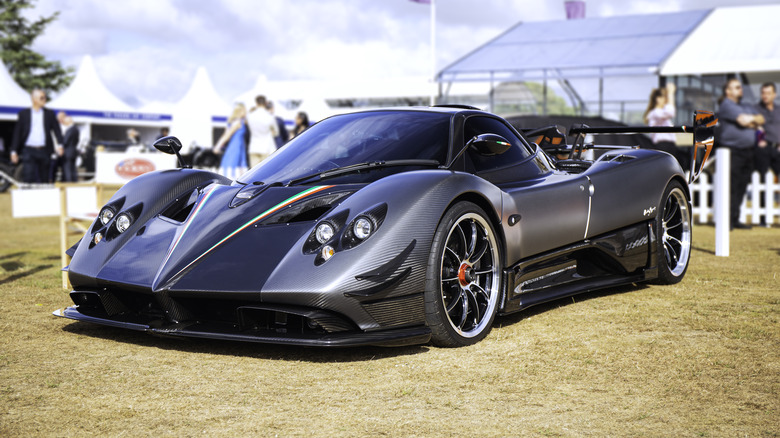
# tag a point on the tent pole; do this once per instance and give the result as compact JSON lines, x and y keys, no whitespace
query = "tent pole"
{"x":601,"y":92}
{"x":492,"y":92}
{"x":544,"y":94}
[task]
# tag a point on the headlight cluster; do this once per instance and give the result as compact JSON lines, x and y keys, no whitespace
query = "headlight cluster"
{"x":110,"y":223}
{"x":334,"y":234}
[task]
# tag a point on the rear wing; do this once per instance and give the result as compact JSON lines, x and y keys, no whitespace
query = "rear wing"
{"x":703,"y":130}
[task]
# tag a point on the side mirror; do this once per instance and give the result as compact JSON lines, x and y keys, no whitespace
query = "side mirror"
{"x":171,"y":145}
{"x":489,"y":144}
{"x":704,"y":123}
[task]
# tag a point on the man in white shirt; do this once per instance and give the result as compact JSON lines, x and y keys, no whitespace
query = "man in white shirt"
{"x":262,"y":128}
{"x":32,"y":139}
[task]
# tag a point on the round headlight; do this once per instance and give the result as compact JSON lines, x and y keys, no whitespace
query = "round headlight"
{"x":324,"y":232}
{"x":122,"y":222}
{"x":106,"y":214}
{"x":363,"y":228}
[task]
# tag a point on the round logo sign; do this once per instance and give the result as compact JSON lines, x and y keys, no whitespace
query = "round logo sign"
{"x":132,"y":167}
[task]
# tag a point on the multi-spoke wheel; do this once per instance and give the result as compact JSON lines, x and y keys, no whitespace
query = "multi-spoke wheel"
{"x":463,"y":283}
{"x":673,"y":225}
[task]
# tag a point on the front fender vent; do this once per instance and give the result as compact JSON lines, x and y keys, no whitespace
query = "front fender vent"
{"x":307,"y":209}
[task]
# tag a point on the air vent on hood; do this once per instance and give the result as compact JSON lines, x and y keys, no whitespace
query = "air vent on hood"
{"x":309,"y":209}
{"x":181,"y":207}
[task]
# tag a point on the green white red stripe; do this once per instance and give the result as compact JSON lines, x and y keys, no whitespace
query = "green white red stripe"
{"x":189,"y":221}
{"x":257,"y":218}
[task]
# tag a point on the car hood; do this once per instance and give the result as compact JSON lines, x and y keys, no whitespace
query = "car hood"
{"x":220,"y":246}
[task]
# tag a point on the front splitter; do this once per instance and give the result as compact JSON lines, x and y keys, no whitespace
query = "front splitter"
{"x":392,"y":337}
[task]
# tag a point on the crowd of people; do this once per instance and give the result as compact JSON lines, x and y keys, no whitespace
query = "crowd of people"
{"x":751,"y":132}
{"x":253,"y":135}
{"x":33,"y":142}
{"x":47,"y":143}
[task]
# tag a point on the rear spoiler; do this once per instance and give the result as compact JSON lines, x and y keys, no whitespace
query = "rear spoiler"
{"x":703,"y":130}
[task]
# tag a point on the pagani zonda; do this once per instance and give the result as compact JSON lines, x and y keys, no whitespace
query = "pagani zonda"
{"x":389,"y":227}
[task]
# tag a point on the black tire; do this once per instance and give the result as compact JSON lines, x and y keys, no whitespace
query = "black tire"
{"x":674,"y":233}
{"x":463,"y":282}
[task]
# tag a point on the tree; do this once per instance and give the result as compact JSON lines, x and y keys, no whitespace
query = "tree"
{"x":28,"y":68}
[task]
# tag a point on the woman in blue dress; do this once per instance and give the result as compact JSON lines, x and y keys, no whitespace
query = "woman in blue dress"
{"x":232,"y":145}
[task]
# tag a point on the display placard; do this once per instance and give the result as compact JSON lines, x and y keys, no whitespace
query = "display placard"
{"x":119,"y":168}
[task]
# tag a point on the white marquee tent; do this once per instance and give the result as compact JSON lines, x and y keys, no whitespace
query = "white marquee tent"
{"x":88,"y":96}
{"x":731,"y":39}
{"x":198,"y":112}
{"x":13,"y":97}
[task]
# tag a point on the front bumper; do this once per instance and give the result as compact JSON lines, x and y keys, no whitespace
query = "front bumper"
{"x":271,"y":328}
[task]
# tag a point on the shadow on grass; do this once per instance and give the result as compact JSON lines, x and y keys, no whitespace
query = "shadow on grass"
{"x":307,"y":354}
{"x":15,"y":255}
{"x":707,"y":251}
{"x":27,"y":273}
{"x":242,"y":349}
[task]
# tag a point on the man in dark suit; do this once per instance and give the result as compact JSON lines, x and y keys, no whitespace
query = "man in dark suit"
{"x":32,"y":139}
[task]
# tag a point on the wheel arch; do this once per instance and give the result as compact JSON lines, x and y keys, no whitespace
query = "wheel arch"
{"x":483,"y":203}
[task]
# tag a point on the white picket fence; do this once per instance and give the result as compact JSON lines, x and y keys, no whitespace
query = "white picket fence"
{"x":762,"y":200}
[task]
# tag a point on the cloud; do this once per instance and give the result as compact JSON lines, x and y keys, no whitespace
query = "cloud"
{"x":149,"y":49}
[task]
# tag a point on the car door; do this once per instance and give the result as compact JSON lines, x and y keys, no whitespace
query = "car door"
{"x":542,"y":208}
{"x":545,"y":213}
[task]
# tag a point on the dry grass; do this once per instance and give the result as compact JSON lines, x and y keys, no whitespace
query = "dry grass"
{"x":696,"y":359}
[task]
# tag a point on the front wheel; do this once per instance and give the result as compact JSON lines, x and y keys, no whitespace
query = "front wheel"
{"x":674,"y":232}
{"x":463,"y":281}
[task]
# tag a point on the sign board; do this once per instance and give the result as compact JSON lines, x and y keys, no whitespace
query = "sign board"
{"x":41,"y":202}
{"x":35,"y":202}
{"x":119,"y":167}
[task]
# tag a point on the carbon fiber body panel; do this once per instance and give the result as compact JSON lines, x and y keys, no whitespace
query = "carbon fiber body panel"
{"x":208,"y":257}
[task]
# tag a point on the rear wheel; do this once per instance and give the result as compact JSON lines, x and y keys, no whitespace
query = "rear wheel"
{"x":674,"y":233}
{"x":463,"y":282}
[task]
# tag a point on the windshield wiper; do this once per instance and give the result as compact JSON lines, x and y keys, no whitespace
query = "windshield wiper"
{"x":370,"y":165}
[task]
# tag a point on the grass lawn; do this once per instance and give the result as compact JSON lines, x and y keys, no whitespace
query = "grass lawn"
{"x":701,"y":358}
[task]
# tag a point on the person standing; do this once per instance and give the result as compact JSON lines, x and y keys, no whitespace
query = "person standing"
{"x":32,"y":140}
{"x":232,"y":145}
{"x":301,"y":124}
{"x":661,"y":112}
{"x":57,"y":161}
{"x":70,"y":145}
{"x":282,"y":136}
{"x":767,"y":152}
{"x":738,"y":133}
{"x":262,"y":129}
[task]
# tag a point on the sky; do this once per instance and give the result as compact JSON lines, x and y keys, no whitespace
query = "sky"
{"x":149,"y":50}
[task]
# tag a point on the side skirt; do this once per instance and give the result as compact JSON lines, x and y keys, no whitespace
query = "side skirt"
{"x":624,"y":256}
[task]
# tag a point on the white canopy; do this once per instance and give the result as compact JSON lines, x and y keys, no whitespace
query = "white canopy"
{"x":338,"y":89}
{"x":13,"y":94}
{"x":87,"y":93}
{"x":731,"y":39}
{"x":193,"y":116}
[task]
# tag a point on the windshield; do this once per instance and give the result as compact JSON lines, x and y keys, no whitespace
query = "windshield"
{"x":357,"y":138}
